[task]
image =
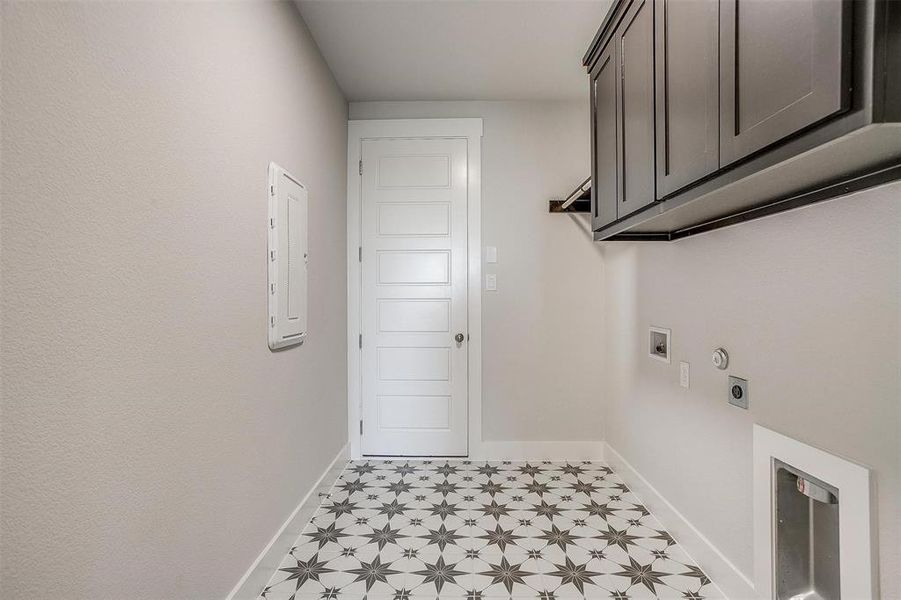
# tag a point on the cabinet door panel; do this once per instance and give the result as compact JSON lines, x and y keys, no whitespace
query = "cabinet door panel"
{"x":687,"y":89}
{"x":603,"y":139}
{"x":784,"y":66}
{"x":635,"y":57}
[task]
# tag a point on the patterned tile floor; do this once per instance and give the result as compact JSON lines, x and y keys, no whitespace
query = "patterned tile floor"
{"x":396,"y":530}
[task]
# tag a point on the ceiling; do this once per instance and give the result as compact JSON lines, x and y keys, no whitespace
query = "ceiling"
{"x":456,"y":49}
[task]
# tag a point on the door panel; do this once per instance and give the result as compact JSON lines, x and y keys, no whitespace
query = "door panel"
{"x":414,"y":219}
{"x":784,"y":66}
{"x":604,"y":191}
{"x":414,"y":412}
{"x":414,"y":171}
{"x":413,"y":364}
{"x":687,"y":90}
{"x":635,"y":57}
{"x":401,"y":267}
{"x":414,"y":316}
{"x":414,"y":297}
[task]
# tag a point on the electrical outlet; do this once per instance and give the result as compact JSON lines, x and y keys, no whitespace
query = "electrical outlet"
{"x":684,"y":374}
{"x":738,"y":392}
{"x":491,"y":282}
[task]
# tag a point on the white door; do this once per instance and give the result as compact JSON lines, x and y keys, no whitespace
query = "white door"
{"x":414,"y":269}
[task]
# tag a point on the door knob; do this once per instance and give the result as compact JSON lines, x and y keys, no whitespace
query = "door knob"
{"x":459,"y":338}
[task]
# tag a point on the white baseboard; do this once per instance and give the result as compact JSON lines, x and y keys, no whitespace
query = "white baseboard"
{"x":257,"y":576}
{"x":519,"y":451}
{"x":732,"y":582}
{"x":587,"y":450}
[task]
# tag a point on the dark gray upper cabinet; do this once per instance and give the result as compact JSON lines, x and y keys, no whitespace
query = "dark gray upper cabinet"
{"x":634,"y":41}
{"x":783,"y":67}
{"x":730,"y":110}
{"x":686,"y":35}
{"x":604,"y":189}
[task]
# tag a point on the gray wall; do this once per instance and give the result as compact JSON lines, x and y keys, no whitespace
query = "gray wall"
{"x":539,"y":373}
{"x":807,"y":304}
{"x":151,"y":443}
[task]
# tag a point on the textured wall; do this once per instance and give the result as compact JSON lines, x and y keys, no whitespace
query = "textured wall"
{"x":151,"y":443}
{"x":808,"y":304}
{"x":540,"y":371}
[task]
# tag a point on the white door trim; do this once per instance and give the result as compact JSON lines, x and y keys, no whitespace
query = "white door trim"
{"x":357,"y":131}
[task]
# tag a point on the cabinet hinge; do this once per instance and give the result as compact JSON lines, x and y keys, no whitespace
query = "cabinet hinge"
{"x":361,"y":167}
{"x":361,"y":341}
{"x":361,"y":254}
{"x":361,"y":426}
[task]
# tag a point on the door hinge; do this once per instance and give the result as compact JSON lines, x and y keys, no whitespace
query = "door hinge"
{"x":361,"y":341}
{"x":361,"y":167}
{"x":361,"y":253}
{"x":361,"y":426}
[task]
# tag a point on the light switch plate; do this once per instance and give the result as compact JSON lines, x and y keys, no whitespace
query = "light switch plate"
{"x":491,"y":282}
{"x":684,"y":374}
{"x":491,"y":254}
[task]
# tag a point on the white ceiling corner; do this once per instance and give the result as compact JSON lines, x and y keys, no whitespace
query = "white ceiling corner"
{"x":455,"y":49}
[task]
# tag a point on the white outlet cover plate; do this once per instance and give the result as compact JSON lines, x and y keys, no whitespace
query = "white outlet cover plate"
{"x":491,"y":282}
{"x":684,"y":374}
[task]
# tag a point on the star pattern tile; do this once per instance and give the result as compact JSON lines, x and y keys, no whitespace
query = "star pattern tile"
{"x":461,"y":530}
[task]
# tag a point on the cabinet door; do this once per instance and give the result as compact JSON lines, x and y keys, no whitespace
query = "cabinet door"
{"x":635,"y":58}
{"x":603,"y":140}
{"x":784,"y":65}
{"x":686,"y":36}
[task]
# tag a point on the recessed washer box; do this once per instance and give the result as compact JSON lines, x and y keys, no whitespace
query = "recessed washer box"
{"x":659,"y":343}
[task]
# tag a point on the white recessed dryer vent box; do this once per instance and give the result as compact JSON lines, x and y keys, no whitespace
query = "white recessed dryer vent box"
{"x":812,"y":522}
{"x":659,"y":343}
{"x":287,"y":256}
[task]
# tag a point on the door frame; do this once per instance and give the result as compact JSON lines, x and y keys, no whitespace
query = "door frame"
{"x":357,"y":131}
